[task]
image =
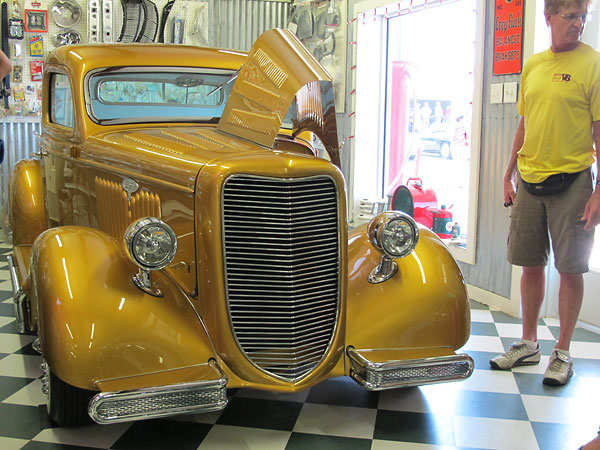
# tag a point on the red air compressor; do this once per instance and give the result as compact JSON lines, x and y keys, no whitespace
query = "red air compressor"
{"x":421,"y":204}
{"x":416,"y":201}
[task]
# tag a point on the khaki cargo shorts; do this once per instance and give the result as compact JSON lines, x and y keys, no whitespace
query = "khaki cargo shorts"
{"x":532,"y":217}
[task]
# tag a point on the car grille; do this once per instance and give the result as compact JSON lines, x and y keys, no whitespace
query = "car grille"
{"x":282,"y":255}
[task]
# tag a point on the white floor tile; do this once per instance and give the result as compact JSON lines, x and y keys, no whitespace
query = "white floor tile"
{"x":481,"y":315}
{"x":6,"y":285}
{"x":483,"y":344}
{"x":479,"y":432}
{"x":100,"y":436}
{"x":336,"y":421}
{"x":490,"y":381}
{"x":10,"y":343}
{"x":514,"y":330}
{"x":436,"y":398}
{"x":551,"y":321}
{"x":4,"y":274}
{"x":12,"y":444}
{"x":391,"y":445}
{"x":30,"y":395}
{"x":6,"y":320}
{"x":589,"y":350}
{"x":225,"y":437}
{"x":24,"y":366}
{"x":569,"y":410}
{"x":536,"y":368}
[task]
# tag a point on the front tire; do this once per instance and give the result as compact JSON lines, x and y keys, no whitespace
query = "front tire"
{"x":67,"y":405}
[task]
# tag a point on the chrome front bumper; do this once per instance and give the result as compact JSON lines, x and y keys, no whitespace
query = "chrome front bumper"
{"x":152,"y":402}
{"x":390,"y":374}
{"x":19,"y":297}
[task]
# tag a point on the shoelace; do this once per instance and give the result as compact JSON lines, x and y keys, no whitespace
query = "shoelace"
{"x":515,"y":349}
{"x":557,"y":364}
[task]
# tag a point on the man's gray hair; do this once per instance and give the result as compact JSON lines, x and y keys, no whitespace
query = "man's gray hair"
{"x":554,"y":6}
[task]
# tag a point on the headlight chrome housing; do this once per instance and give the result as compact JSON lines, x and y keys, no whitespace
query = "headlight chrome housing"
{"x":395,"y":235}
{"x":151,"y":244}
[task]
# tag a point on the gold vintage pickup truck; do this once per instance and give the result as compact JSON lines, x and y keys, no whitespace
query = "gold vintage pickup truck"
{"x":178,"y":236}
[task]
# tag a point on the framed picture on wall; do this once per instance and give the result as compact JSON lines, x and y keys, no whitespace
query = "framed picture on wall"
{"x":36,"y":20}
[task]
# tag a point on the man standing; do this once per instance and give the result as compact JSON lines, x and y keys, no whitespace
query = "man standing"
{"x":551,"y":160}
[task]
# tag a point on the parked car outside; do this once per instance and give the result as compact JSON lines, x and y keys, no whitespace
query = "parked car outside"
{"x":444,"y":140}
{"x":178,"y":236}
{"x":436,"y":139}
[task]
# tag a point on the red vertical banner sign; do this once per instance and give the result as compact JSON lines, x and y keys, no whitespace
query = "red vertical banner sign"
{"x":508,"y":37}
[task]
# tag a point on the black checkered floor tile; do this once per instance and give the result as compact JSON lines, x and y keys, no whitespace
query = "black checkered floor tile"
{"x":492,"y":409}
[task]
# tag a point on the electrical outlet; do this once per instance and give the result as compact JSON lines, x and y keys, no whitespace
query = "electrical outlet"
{"x":496,"y":93}
{"x":510,"y":92}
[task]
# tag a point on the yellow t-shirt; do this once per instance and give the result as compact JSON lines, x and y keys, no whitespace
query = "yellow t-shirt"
{"x":559,"y":99}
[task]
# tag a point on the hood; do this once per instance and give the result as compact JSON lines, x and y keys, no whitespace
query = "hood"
{"x":281,"y":77}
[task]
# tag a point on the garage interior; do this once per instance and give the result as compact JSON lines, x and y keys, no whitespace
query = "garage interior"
{"x":473,"y":110}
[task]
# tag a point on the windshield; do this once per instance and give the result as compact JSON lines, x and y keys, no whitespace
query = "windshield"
{"x":138,"y":95}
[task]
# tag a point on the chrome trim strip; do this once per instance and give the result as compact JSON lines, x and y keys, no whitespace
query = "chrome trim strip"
{"x":19,"y":297}
{"x":102,"y":398}
{"x":378,"y":368}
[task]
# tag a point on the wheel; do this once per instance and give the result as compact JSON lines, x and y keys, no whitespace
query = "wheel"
{"x":445,"y":151}
{"x":67,"y":405}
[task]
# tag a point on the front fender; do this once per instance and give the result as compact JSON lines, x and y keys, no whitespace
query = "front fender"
{"x":424,"y":305}
{"x":26,"y":200}
{"x":95,"y":324}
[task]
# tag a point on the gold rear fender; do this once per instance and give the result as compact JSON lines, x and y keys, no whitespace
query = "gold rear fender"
{"x":26,"y":200}
{"x":424,"y":305}
{"x":95,"y":324}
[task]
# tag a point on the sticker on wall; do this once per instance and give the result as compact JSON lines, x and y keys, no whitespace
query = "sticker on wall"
{"x":36,"y":20}
{"x":36,"y":46}
{"x":19,"y":94}
{"x":36,"y":68}
{"x":15,"y":28}
{"x":17,"y":73}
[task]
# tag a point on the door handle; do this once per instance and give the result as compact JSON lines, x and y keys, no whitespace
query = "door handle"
{"x":41,"y":154}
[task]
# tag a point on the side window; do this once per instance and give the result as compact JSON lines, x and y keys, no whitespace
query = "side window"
{"x":61,"y":100}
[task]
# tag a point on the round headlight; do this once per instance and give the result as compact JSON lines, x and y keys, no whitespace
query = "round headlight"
{"x":393,"y":233}
{"x":151,"y":243}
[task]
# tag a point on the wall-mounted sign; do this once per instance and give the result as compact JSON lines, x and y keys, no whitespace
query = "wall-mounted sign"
{"x":508,"y":36}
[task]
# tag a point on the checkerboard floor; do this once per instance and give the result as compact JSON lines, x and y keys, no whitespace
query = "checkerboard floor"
{"x":492,"y":409}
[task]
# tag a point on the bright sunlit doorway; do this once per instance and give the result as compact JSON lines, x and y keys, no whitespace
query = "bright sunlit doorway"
{"x":418,"y":106}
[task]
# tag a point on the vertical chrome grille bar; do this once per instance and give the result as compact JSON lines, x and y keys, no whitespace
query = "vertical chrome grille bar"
{"x":282,"y":269}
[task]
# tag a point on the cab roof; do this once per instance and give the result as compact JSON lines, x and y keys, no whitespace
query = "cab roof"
{"x":86,"y":57}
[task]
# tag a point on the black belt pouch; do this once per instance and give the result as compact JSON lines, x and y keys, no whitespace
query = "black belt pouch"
{"x":554,"y":184}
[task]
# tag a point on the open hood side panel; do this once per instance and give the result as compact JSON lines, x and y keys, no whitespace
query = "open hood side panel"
{"x":278,"y":69}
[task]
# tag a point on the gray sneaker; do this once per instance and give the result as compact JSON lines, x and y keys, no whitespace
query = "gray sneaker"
{"x":518,"y":355}
{"x":560,"y":369}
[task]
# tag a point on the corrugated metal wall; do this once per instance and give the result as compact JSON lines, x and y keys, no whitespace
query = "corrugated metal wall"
{"x":19,"y":143}
{"x":491,"y":272}
{"x":236,"y":24}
